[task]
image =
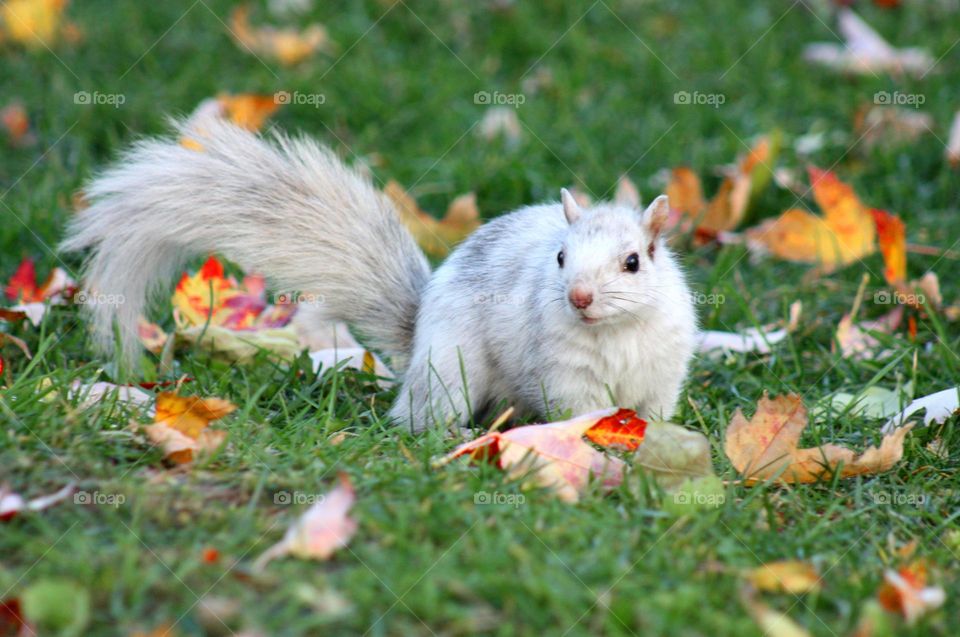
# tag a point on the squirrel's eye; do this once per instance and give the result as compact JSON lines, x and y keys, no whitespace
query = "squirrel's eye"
{"x":560,"y":258}
{"x":632,"y":264}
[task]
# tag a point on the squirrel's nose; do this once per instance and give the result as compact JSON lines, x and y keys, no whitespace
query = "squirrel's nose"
{"x":580,"y":298}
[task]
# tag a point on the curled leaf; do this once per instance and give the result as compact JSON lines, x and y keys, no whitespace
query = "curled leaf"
{"x":765,"y":447}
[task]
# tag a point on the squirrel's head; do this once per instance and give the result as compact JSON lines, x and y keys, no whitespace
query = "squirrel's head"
{"x":612,"y":260}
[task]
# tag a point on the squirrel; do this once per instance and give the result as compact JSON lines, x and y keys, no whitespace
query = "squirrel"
{"x":547,"y":308}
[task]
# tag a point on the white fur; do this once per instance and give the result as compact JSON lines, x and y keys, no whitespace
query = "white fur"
{"x":492,"y":327}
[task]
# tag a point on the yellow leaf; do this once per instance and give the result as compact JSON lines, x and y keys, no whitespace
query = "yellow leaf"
{"x":790,"y":576}
{"x":435,"y":237}
{"x":765,"y":447}
{"x":33,"y":23}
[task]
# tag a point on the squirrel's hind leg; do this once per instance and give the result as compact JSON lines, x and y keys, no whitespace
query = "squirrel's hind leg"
{"x":444,"y":389}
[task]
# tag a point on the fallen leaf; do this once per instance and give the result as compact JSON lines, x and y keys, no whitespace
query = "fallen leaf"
{"x":89,"y":394}
{"x":856,"y":341}
{"x":846,"y":232}
{"x":866,"y":52}
{"x":905,"y":591}
{"x":152,"y":336}
{"x":751,"y":339}
{"x":33,"y":23}
{"x":554,"y":455}
{"x":892,"y":237}
{"x":436,"y":237}
{"x":15,"y":121}
{"x":765,"y":447}
{"x":181,"y":426}
{"x":352,"y":358}
{"x":772,"y":623}
{"x":242,"y":346}
{"x":618,"y":433}
{"x":872,"y":402}
{"x":13,"y":503}
{"x":953,"y":142}
{"x":325,"y":527}
{"x":890,"y":126}
{"x":288,"y":46}
{"x":13,"y":340}
{"x":786,"y":576}
{"x":939,"y":406}
{"x":12,"y":622}
{"x":501,"y":121}
{"x":729,"y":204}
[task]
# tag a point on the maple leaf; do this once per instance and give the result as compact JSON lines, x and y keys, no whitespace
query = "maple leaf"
{"x":435,"y":236}
{"x":181,"y":426}
{"x":846,"y":232}
{"x":765,"y":447}
{"x":325,"y":527}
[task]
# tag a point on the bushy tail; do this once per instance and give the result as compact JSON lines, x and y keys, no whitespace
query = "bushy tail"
{"x":287,"y":208}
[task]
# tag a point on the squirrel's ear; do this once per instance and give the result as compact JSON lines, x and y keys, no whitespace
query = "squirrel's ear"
{"x":571,"y":209}
{"x":656,"y":215}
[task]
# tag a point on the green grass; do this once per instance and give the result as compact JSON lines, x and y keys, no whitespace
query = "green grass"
{"x":427,"y":560}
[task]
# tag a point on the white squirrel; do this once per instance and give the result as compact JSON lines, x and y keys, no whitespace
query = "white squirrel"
{"x":547,"y":308}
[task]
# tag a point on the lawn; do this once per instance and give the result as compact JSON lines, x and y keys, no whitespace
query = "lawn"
{"x":598,"y":82}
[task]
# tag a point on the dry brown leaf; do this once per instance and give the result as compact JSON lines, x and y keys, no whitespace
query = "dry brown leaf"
{"x":890,"y":126}
{"x":765,"y":447}
{"x":435,"y":237}
{"x":855,"y":340}
{"x":288,"y":46}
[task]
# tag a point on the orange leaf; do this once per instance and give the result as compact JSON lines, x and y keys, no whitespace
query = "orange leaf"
{"x":180,"y":425}
{"x":34,"y":23}
{"x":14,"y":119}
{"x":845,"y":233}
{"x":905,"y":591}
{"x":892,"y":236}
{"x":623,"y":429}
{"x":248,"y":110}
{"x":765,"y":447}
